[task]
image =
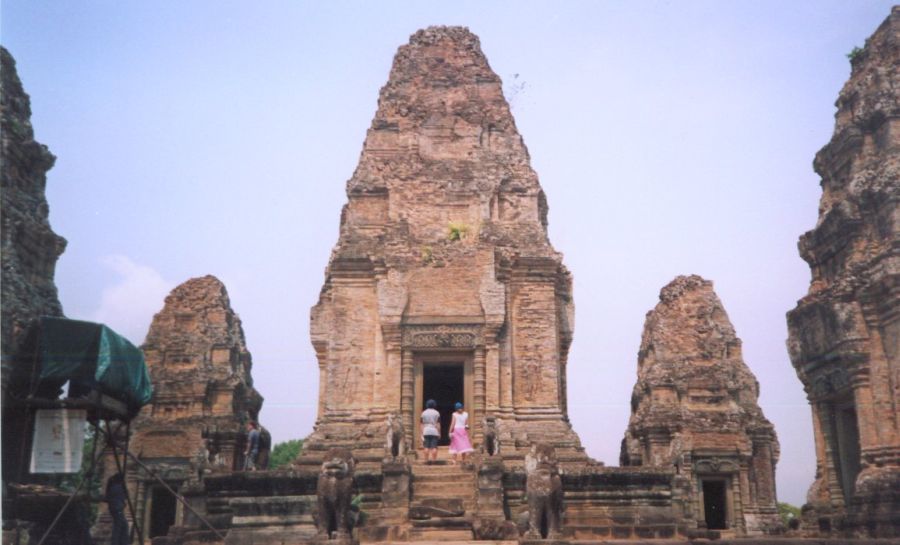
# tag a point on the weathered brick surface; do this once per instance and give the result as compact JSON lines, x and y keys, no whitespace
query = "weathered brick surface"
{"x":28,"y":251}
{"x":695,"y":408}
{"x":30,"y":247}
{"x":443,"y":248}
{"x":202,"y":394}
{"x":845,"y":333}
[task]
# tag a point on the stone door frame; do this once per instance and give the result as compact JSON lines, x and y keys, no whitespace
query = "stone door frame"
{"x":424,"y":358}
{"x":144,"y":510}
{"x":725,"y":469}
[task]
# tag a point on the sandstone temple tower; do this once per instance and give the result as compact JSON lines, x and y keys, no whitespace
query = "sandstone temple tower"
{"x":845,"y":333}
{"x":443,"y":283}
{"x":30,"y":247}
{"x":203,"y":395}
{"x":695,"y":408}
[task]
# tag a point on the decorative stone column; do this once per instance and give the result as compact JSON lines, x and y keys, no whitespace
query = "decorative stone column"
{"x":407,"y":392}
{"x":479,"y":395}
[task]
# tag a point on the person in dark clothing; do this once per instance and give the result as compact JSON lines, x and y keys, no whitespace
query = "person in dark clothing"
{"x":252,"y":449}
{"x":265,"y":448}
{"x":115,"y":499}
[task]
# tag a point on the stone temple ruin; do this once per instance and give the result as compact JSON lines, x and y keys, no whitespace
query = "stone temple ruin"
{"x":30,"y":249}
{"x":695,"y":407}
{"x":443,"y":285}
{"x":203,"y":396}
{"x":845,"y":333}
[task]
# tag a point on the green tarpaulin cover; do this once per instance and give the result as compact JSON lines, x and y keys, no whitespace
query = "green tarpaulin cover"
{"x":93,"y":356}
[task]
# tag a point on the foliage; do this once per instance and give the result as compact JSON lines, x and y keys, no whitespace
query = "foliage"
{"x":427,"y":255}
{"x":284,"y":453}
{"x":855,"y":53}
{"x":92,"y":489}
{"x":355,"y":506}
{"x":787,"y":512}
{"x":457,"y":231}
{"x":513,"y":88}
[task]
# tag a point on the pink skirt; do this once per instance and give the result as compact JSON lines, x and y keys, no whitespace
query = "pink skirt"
{"x":459,"y":442}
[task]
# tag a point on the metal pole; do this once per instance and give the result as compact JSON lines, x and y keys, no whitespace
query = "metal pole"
{"x":111,"y":439}
{"x":176,"y":494}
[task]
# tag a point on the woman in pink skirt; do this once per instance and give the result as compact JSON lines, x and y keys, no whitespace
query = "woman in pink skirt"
{"x":459,"y":435}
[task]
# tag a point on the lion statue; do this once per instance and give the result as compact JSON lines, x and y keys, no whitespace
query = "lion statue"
{"x":335,"y":492}
{"x":395,"y":439}
{"x":543,"y":487}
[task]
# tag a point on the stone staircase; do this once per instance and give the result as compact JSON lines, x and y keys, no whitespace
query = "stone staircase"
{"x":443,"y":500}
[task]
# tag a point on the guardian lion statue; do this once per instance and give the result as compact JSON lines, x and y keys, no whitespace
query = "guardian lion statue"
{"x":491,"y":444}
{"x":395,"y":440}
{"x":543,"y":487}
{"x":335,"y":492}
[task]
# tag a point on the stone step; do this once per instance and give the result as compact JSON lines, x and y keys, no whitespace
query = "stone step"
{"x":468,"y":499}
{"x":446,"y":464}
{"x":440,"y":534}
{"x":447,"y":487}
{"x":449,"y":523}
{"x":441,"y":470}
{"x":461,"y":542}
{"x":468,"y":503}
{"x":442,"y":473}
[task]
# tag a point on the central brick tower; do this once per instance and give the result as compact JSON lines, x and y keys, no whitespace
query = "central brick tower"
{"x":443,"y":283}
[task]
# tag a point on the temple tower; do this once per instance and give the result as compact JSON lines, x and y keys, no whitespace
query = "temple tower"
{"x":845,"y":333}
{"x":443,"y":283}
{"x":694,"y":408}
{"x":202,"y":397}
{"x":30,"y":247}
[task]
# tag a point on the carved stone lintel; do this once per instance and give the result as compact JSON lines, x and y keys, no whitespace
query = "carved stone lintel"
{"x":716,"y":465}
{"x":442,"y":336}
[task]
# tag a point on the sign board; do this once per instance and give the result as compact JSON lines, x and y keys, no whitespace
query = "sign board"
{"x":58,"y":440}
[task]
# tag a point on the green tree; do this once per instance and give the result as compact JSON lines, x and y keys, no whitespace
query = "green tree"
{"x":285,"y":453}
{"x":787,"y":512}
{"x":91,"y":489}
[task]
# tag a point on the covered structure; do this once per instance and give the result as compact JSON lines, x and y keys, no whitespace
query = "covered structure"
{"x":105,"y":382}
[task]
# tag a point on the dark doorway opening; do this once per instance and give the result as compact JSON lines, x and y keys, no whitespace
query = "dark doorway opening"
{"x":443,"y":383}
{"x":714,"y":504}
{"x":162,"y":511}
{"x":845,"y":435}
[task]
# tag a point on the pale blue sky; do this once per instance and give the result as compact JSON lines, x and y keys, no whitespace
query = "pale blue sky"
{"x":216,"y":138}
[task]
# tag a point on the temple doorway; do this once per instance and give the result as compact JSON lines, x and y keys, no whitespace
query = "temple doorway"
{"x":715,"y":504}
{"x":443,"y":382}
{"x":163,"y":508}
{"x":845,"y":448}
{"x":445,"y":377}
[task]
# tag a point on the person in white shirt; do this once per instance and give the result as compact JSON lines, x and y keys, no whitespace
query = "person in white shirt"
{"x":431,"y":430}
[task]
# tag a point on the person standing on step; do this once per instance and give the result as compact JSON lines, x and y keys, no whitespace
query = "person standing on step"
{"x":251,"y":450}
{"x":460,"y":445}
{"x":431,"y":430}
